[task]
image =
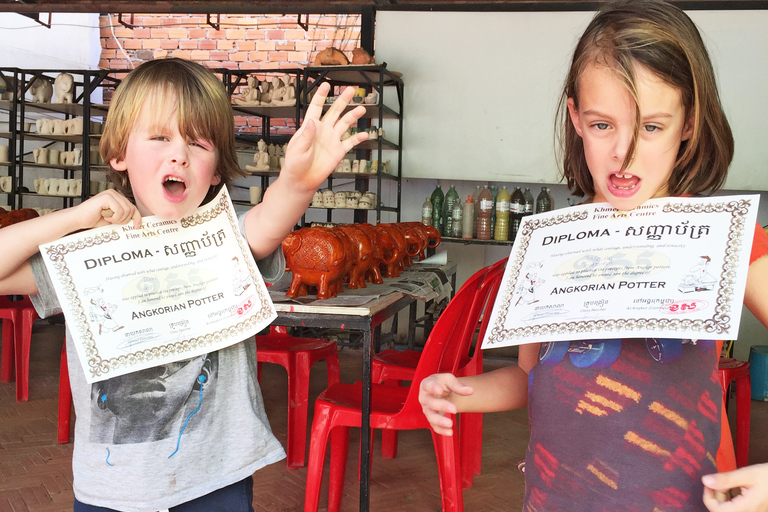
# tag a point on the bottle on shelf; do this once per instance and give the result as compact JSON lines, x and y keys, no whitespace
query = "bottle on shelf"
{"x":426,"y":212}
{"x":501,"y":229}
{"x":457,"y":212}
{"x":543,"y":202}
{"x":551,"y":199}
{"x":516,"y":211}
{"x":475,"y":196}
{"x":484,"y":209}
{"x":529,"y":202}
{"x":437,"y":208}
{"x":451,"y":197}
{"x":468,"y":217}
{"x":494,"y":193}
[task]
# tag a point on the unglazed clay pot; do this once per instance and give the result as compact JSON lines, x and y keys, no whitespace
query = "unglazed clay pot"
{"x":316,"y":257}
{"x":362,"y":258}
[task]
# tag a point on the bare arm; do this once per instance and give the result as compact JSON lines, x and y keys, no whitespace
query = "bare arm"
{"x":312,"y":154}
{"x":500,"y":390}
{"x":756,"y":293}
{"x":20,"y":241}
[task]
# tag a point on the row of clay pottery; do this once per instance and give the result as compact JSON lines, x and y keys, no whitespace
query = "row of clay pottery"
{"x":326,"y":258}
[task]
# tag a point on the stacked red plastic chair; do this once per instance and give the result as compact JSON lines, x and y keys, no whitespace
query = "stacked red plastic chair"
{"x":297,"y":355}
{"x":731,"y":370}
{"x":400,"y":365}
{"x":395,"y":407}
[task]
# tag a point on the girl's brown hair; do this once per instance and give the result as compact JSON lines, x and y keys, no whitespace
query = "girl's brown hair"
{"x":200,"y":103}
{"x":663,"y":39}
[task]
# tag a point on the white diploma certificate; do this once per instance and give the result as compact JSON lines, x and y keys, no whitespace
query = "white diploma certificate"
{"x":670,"y":268}
{"x":169,"y":291}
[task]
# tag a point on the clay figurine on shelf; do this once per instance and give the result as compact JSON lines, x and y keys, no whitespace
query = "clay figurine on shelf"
{"x":316,"y":257}
{"x":360,"y":57}
{"x":251,"y":95}
{"x":7,"y":87}
{"x":260,"y":159}
{"x":285,"y":95}
{"x":266,"y":92}
{"x":41,"y":90}
{"x":331,"y":57}
{"x":274,"y":161}
{"x":64,"y":88}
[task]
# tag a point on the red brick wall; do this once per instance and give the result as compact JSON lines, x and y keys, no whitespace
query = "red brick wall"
{"x":257,"y":42}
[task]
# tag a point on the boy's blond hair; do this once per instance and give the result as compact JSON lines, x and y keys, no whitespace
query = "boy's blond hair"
{"x":201,"y":106}
{"x":663,"y":39}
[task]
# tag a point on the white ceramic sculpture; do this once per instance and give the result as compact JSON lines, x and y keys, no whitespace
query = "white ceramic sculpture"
{"x":274,"y":161}
{"x":340,"y":199}
{"x":5,"y":183}
{"x":328,"y":198}
{"x":251,"y":94}
{"x":317,"y":199}
{"x":4,"y":154}
{"x":64,"y":88}
{"x":41,"y":90}
{"x":260,"y":159}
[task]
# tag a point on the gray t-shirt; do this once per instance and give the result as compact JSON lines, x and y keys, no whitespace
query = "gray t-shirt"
{"x":154,"y":439}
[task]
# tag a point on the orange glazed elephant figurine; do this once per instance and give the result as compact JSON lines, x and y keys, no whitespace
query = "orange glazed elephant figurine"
{"x":362,"y":256}
{"x":316,"y":256}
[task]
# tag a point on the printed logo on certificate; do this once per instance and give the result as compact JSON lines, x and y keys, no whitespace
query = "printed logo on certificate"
{"x":670,"y":268}
{"x":169,"y":291}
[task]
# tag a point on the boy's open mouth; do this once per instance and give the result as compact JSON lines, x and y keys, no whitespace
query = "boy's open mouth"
{"x":174,"y":186}
{"x":624,"y":181}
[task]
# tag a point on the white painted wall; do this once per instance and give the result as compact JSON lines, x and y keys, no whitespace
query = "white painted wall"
{"x":72,"y":42}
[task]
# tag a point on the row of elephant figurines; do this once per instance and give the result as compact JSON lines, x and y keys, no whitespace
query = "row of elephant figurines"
{"x":68,"y":187}
{"x":325,"y":258}
{"x":72,"y":126}
{"x":42,"y":88}
{"x":48,"y":156}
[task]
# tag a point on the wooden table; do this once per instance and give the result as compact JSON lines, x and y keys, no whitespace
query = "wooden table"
{"x":366,"y":319}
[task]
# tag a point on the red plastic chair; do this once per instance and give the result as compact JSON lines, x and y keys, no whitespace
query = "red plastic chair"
{"x":731,"y":370}
{"x":65,"y":398}
{"x":22,"y":315}
{"x":400,"y":365}
{"x":297,"y":355}
{"x":394,"y":407}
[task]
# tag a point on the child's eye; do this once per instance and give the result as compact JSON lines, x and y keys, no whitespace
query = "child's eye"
{"x":159,"y":137}
{"x":601,"y":126}
{"x":201,"y":144}
{"x":650,"y":128}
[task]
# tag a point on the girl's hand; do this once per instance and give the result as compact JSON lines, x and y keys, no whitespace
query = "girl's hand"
{"x":434,"y":396}
{"x":108,"y":207}
{"x":316,"y":148}
{"x":752,"y":481}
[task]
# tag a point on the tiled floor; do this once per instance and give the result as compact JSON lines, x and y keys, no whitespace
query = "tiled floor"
{"x":36,"y":474}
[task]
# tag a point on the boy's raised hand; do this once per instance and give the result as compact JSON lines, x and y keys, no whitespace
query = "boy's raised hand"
{"x":434,"y":397}
{"x":316,"y":148}
{"x":108,"y":207}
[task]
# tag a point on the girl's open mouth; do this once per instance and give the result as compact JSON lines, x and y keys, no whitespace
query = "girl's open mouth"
{"x":624,"y":181}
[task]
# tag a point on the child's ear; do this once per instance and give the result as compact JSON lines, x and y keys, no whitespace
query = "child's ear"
{"x":574,"y":113}
{"x":216,"y":179}
{"x":688,"y":128}
{"x":118,"y":164}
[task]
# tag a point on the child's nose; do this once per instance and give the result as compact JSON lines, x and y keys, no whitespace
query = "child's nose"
{"x":180,"y":154}
{"x":621,"y":144}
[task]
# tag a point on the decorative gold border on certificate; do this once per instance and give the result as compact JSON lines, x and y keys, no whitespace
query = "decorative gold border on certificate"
{"x":98,"y":366}
{"x":717,"y":324}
